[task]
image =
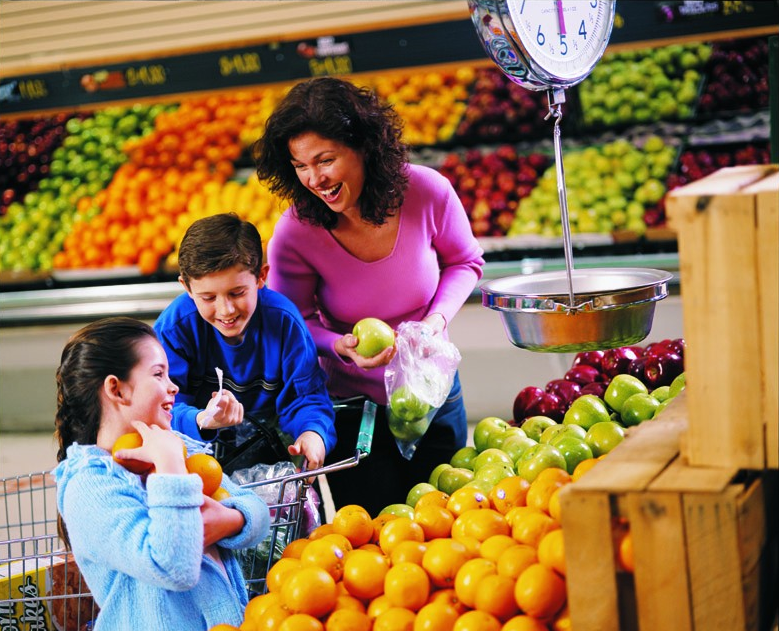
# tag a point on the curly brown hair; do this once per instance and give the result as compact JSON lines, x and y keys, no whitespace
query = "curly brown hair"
{"x":338,"y":110}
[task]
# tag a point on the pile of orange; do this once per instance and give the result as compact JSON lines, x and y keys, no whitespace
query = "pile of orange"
{"x":468,"y":562}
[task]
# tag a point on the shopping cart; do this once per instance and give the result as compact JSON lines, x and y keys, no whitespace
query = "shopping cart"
{"x":41,"y":587}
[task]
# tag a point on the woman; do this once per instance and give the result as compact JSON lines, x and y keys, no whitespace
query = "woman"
{"x":367,"y":235}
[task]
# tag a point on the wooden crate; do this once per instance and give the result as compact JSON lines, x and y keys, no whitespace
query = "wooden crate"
{"x":728,"y":234}
{"x":699,"y":538}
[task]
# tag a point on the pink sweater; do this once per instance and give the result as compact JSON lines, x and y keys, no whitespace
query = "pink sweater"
{"x":434,"y":266}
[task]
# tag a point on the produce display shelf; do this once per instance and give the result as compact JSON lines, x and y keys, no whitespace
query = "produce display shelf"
{"x":148,"y":299}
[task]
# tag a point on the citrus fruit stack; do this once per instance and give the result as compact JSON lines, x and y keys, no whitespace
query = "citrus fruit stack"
{"x":469,"y":561}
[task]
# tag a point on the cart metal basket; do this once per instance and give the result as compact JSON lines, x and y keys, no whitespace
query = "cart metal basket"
{"x":40,"y":585}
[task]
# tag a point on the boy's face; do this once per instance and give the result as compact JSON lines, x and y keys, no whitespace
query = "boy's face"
{"x":227,"y":299}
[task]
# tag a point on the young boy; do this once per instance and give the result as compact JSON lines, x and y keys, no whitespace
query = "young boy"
{"x":229,"y":320}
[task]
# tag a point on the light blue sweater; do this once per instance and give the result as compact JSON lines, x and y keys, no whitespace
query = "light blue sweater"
{"x":140,"y":548}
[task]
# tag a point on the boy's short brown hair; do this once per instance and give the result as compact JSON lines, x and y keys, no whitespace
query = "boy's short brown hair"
{"x":217,"y":243}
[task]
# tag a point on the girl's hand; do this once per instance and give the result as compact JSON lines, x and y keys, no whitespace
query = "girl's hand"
{"x":221,"y":411}
{"x":345,"y":347}
{"x":311,"y":446}
{"x":219,"y":521}
{"x":161,"y":447}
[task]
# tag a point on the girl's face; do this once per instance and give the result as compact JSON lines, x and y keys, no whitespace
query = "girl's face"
{"x":329,"y":169}
{"x":149,"y":390}
{"x":227,"y":299}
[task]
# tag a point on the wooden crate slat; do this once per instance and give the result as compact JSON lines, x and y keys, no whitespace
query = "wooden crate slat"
{"x":678,"y":477}
{"x":662,"y":585}
{"x":590,"y":569}
{"x":714,"y":563}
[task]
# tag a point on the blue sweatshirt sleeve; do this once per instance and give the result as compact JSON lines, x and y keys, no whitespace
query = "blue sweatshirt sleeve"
{"x":255,"y":513}
{"x":304,"y":403}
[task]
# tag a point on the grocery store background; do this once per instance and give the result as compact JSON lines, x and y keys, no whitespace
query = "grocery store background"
{"x":74,"y":40}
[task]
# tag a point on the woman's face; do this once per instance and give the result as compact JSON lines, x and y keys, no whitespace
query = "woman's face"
{"x":151,"y":392}
{"x":329,"y":169}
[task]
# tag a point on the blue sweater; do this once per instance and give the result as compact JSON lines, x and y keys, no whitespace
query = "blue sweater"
{"x":140,"y":548}
{"x":274,"y":370}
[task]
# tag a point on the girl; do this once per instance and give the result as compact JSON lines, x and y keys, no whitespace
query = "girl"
{"x":153,"y":550}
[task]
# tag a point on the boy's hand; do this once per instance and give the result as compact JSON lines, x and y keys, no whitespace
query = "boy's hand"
{"x":345,"y":347}
{"x":221,"y":411}
{"x":311,"y":446}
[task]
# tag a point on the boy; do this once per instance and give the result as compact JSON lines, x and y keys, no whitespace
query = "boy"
{"x":229,"y":320}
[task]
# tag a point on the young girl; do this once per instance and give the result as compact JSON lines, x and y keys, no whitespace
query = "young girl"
{"x":153,"y":550}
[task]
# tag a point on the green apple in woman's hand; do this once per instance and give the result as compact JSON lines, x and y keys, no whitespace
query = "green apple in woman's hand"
{"x":373,"y":336}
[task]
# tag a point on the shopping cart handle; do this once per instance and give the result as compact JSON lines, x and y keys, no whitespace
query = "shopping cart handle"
{"x":365,"y":435}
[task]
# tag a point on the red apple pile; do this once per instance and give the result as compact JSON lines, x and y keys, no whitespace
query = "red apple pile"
{"x":695,"y":164}
{"x":738,"y":77}
{"x":591,"y":372}
{"x":500,"y":110}
{"x":490,"y":184}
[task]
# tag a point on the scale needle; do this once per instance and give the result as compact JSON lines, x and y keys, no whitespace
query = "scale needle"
{"x":560,"y":16}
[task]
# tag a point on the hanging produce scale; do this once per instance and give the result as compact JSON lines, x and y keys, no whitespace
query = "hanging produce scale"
{"x":552,"y":45}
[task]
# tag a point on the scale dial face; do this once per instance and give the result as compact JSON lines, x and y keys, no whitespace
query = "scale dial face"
{"x":562,"y":39}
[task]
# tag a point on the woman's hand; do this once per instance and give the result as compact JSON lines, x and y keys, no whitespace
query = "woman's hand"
{"x":221,"y":411}
{"x":435,"y":321}
{"x":345,"y":348}
{"x":219,"y":521}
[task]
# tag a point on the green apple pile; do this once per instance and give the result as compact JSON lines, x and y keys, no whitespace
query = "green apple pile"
{"x":609,"y":188}
{"x":642,"y":86}
{"x":34,"y":229}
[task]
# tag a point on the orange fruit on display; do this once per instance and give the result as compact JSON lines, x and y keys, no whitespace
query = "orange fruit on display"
{"x":625,"y":552}
{"x":348,"y":620}
{"x":398,"y":530}
{"x":516,"y":560}
{"x":271,"y":618}
{"x":442,"y":559}
{"x":407,"y":585}
{"x":508,"y":493}
{"x":554,"y":474}
{"x":541,"y":491}
{"x":448,"y":596}
{"x":224,"y":627}
{"x":378,"y":524}
{"x":209,"y":470}
{"x":258,"y":605}
{"x":320,"y":531}
{"x":279,"y":573}
{"x":524,"y":623}
{"x":468,"y":578}
{"x":435,"y":617}
{"x":354,"y":523}
{"x":551,"y":551}
{"x":309,"y":590}
{"x":480,"y":524}
{"x":364,"y":573}
{"x":493,"y":547}
{"x":411,"y":551}
{"x":325,"y":554}
{"x":555,"y":510}
{"x":345,"y":601}
{"x":301,"y":622}
{"x":131,"y":440}
{"x":436,"y":521}
{"x":495,"y":595}
{"x":562,"y":621}
{"x":466,"y":498}
{"x":378,"y":606}
{"x":294,"y":549}
{"x":435,"y":498}
{"x":475,"y":620}
{"x":583,"y":467}
{"x":540,"y":592}
{"x":531,"y":527}
{"x":341,"y":541}
{"x":395,"y":619}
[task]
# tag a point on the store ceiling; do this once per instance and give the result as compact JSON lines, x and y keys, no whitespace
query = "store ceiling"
{"x":38,"y":35}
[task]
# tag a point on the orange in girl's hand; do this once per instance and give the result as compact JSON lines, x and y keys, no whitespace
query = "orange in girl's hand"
{"x":209,"y":470}
{"x":131,"y":440}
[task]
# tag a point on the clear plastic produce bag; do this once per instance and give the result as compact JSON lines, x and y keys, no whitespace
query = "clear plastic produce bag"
{"x":418,"y":380}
